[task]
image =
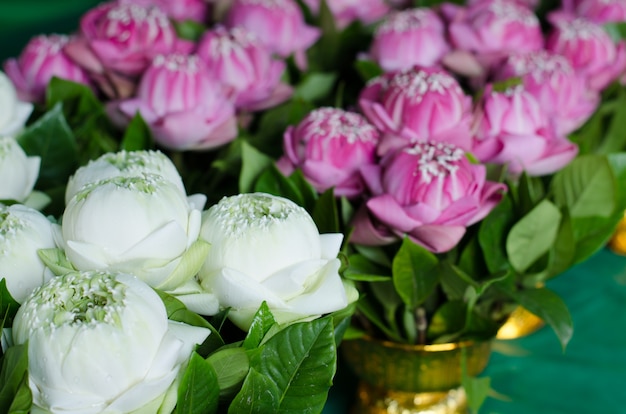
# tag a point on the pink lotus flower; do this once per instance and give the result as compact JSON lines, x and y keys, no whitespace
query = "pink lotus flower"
{"x":419,"y":104}
{"x":487,"y":30}
{"x":330,"y":145}
{"x":195,"y":10}
{"x":598,"y":11}
{"x":279,"y":24}
{"x":182,"y":104}
{"x":561,"y":92}
{"x":42,"y":59}
{"x":117,"y":42}
{"x":512,"y":128}
{"x":429,"y":192}
{"x":589,"y":48}
{"x":348,"y":11}
{"x":408,"y":38}
{"x":237,"y":59}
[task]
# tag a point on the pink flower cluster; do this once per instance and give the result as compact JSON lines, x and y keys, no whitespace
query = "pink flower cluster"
{"x":190,"y":93}
{"x":407,"y":167}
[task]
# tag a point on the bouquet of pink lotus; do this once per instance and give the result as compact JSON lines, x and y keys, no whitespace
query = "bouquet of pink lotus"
{"x":200,"y":200}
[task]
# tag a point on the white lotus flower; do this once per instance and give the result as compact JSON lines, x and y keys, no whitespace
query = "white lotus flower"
{"x":13,"y":112}
{"x":100,"y":342}
{"x":141,"y":225}
{"x":267,"y":248}
{"x":123,"y":163}
{"x":18,"y":172}
{"x":23,"y":231}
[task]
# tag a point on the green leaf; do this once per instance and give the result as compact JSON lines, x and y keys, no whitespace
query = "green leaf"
{"x":452,"y":283}
{"x":272,"y":181}
{"x":315,"y":86}
{"x":532,"y":236}
{"x":14,"y":370}
{"x":309,"y":195}
{"x":375,"y":254}
{"x":360,"y":268}
{"x":325,"y":214}
{"x":548,"y":306}
{"x":23,"y":400}
{"x":415,"y":273}
{"x":292,"y":372}
{"x":137,"y":135}
{"x":477,"y":390}
{"x":563,"y":252}
{"x":254,"y":162}
{"x":492,"y":235}
{"x":367,"y":69}
{"x":51,"y":138}
{"x":231,"y":365}
{"x":530,"y":192}
{"x":449,"y":318}
{"x":365,"y":306}
{"x":78,"y":100}
{"x":614,"y":139}
{"x":586,"y":187}
{"x":274,"y":122}
{"x":188,"y":29}
{"x":261,"y":323}
{"x":198,"y":392}
{"x":8,"y":305}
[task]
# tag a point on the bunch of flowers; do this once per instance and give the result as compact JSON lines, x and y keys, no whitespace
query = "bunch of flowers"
{"x":211,"y":196}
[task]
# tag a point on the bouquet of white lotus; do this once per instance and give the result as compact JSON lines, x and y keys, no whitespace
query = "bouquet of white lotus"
{"x":131,"y":297}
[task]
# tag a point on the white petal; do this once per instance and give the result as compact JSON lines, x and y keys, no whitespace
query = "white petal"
{"x":331,"y":243}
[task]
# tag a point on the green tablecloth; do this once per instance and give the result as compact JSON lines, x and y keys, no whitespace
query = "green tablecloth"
{"x":535,"y":375}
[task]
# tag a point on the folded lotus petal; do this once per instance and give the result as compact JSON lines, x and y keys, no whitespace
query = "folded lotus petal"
{"x":437,"y":239}
{"x":463,"y":63}
{"x":558,"y":154}
{"x":280,"y":93}
{"x":487,"y":149}
{"x":423,"y":213}
{"x":294,"y":280}
{"x":21,"y":112}
{"x":491,"y":195}
{"x":131,"y":107}
{"x":238,"y":290}
{"x":372,"y":177}
{"x":459,"y":212}
{"x":201,"y":303}
{"x":322,"y":175}
{"x":520,"y":151}
{"x":386,"y":209}
{"x":322,"y":298}
{"x":166,"y":242}
{"x":196,"y":202}
{"x":85,"y":256}
{"x":368,"y":233}
{"x":78,"y":49}
{"x":330,"y":243}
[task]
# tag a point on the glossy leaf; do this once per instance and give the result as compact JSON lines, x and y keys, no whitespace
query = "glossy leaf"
{"x":492,"y":235}
{"x":415,"y":273}
{"x":253,"y":163}
{"x":14,"y":370}
{"x":532,"y":236}
{"x":548,"y":306}
{"x":231,"y":365}
{"x":51,"y":138}
{"x":272,"y":181}
{"x":261,"y":323}
{"x":198,"y":392}
{"x":325,"y":213}
{"x":292,"y":372}
{"x":585,"y":187}
{"x":315,"y":86}
{"x":137,"y":135}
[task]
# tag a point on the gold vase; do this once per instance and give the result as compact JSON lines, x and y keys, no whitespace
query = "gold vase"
{"x":410,"y":379}
{"x":521,"y":322}
{"x":618,"y":241}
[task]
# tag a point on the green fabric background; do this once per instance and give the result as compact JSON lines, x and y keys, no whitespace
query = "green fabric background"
{"x":532,"y":372}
